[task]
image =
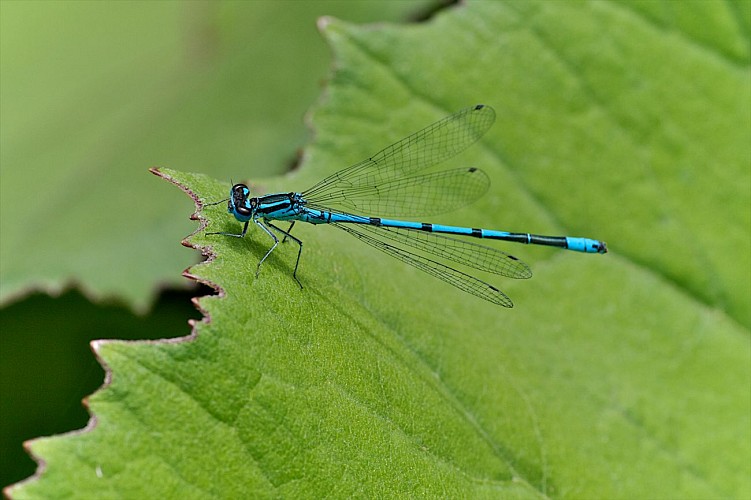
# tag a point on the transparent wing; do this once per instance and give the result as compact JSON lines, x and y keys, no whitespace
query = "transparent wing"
{"x":420,"y":195}
{"x":456,"y":250}
{"x":431,"y":145}
{"x":460,"y":280}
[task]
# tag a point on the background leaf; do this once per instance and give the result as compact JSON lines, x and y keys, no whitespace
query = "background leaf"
{"x":375,"y":379}
{"x":93,"y":94}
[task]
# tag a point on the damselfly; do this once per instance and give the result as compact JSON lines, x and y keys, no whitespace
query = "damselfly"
{"x":386,"y":185}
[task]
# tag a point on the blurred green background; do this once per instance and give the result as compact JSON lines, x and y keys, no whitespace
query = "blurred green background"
{"x":92,"y":94}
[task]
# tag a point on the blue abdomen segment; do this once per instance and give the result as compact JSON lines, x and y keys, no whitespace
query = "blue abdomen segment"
{"x":586,"y":245}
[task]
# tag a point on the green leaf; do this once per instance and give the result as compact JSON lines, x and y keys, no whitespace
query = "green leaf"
{"x":617,"y":376}
{"x":93,"y":94}
{"x":47,"y":366}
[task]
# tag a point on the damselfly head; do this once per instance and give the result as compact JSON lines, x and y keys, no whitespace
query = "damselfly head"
{"x":238,"y":200}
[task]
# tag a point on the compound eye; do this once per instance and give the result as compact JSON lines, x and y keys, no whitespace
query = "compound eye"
{"x":240,"y":190}
{"x":240,"y":193}
{"x":240,"y":200}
